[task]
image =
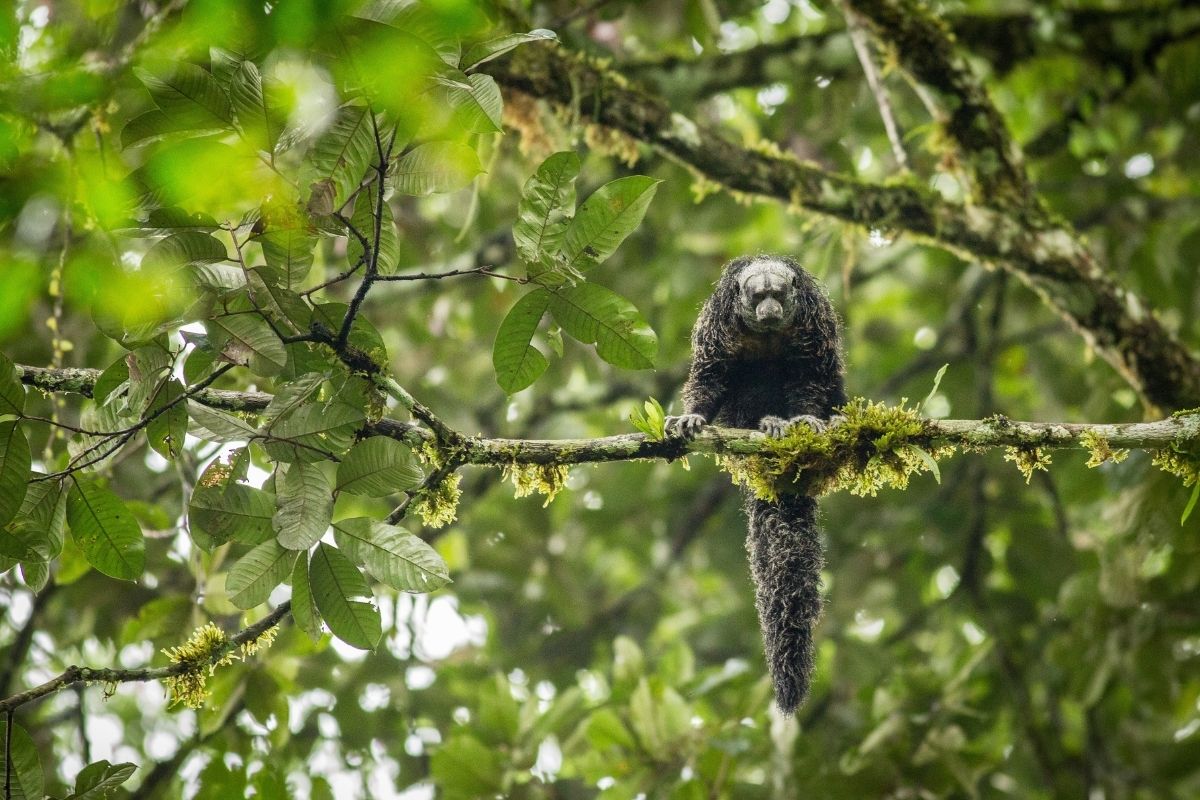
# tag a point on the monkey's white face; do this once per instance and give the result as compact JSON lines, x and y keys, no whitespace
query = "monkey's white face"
{"x":768,"y":295}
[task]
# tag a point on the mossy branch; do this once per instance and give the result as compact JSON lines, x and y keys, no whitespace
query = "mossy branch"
{"x":1046,"y":255}
{"x":73,"y":675}
{"x":995,"y":431}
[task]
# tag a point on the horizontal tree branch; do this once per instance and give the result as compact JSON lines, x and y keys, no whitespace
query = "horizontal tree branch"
{"x":75,"y":674}
{"x":994,"y":431}
{"x":1044,"y":254}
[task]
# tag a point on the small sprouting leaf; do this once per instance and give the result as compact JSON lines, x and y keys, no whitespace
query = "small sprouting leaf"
{"x":436,"y":167}
{"x":234,"y":512}
{"x":937,"y":381}
{"x":547,"y":203}
{"x":104,"y":529}
{"x":342,"y":155}
{"x":392,"y":554}
{"x":517,"y":362}
{"x":15,"y":465}
{"x":604,"y":220}
{"x":24,"y":777}
{"x":593,"y":314}
{"x":928,"y":461}
{"x":494,"y":48}
{"x":303,"y":505}
{"x":257,"y":573}
{"x":652,"y":422}
{"x":478,"y":104}
{"x":248,"y":339}
{"x":337,"y":586}
{"x":377,"y":467}
{"x":1191,"y":503}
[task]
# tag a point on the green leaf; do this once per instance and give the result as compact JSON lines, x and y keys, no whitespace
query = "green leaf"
{"x":97,"y":780}
{"x":378,"y":466}
{"x":304,"y":606}
{"x":12,"y":393}
{"x":110,"y":380}
{"x":392,"y":554}
{"x":478,"y":105}
{"x":154,"y":125}
{"x":303,"y":506}
{"x":24,"y":779}
{"x":292,"y":395}
{"x":465,"y":768}
{"x":213,"y":425}
{"x":937,"y":381}
{"x":312,"y":431}
{"x":364,"y":222}
{"x":188,"y":94}
{"x":604,"y":220}
{"x":236,"y":512}
{"x":168,"y":220}
{"x":105,"y":530}
{"x":593,"y":314}
{"x":166,"y":431}
{"x":336,"y":582}
{"x":928,"y":461}
{"x":248,"y":339}
{"x":342,"y":155}
{"x":547,"y":203}
{"x":1191,"y":503}
{"x":416,"y":20}
{"x":517,"y":362}
{"x":494,"y":48}
{"x":15,"y":465}
{"x":36,"y":533}
{"x":652,"y":422}
{"x":288,"y":242}
{"x":257,"y":573}
{"x":436,"y":167}
{"x":261,"y":120}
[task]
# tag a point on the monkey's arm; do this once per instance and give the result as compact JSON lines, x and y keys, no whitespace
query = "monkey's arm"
{"x":703,"y":395}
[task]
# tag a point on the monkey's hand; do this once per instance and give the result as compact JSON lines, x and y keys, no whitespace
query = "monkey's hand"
{"x":778,"y":426}
{"x":773,"y":426}
{"x":685,"y":425}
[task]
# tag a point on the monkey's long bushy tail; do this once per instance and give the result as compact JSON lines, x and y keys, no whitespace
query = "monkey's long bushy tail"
{"x":786,"y":560}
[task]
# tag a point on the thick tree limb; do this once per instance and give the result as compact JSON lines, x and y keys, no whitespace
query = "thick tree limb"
{"x":986,"y":433}
{"x":1045,"y":255}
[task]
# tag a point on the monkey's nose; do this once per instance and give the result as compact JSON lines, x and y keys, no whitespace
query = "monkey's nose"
{"x":769,"y":310}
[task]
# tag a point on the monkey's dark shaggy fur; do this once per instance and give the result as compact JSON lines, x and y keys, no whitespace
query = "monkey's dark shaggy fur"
{"x":766,"y":353}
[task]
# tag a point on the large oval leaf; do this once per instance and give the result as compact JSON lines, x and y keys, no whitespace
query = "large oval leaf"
{"x":342,"y":155}
{"x":303,"y":506}
{"x":247,"y":339}
{"x":591,"y":313}
{"x":336,"y":582}
{"x":15,"y":463}
{"x":377,"y":467}
{"x":187,"y":94}
{"x":436,"y":167}
{"x":234,"y":512}
{"x":105,"y":530}
{"x":392,"y":554}
{"x":257,"y":573}
{"x":479,"y":107}
{"x":24,"y":779}
{"x":304,"y":606}
{"x":547,"y":203}
{"x":12,"y":393}
{"x":517,"y":362}
{"x":605,"y":219}
{"x":312,"y":431}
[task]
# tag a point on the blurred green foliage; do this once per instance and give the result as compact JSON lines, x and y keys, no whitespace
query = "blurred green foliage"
{"x":171,"y":179}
